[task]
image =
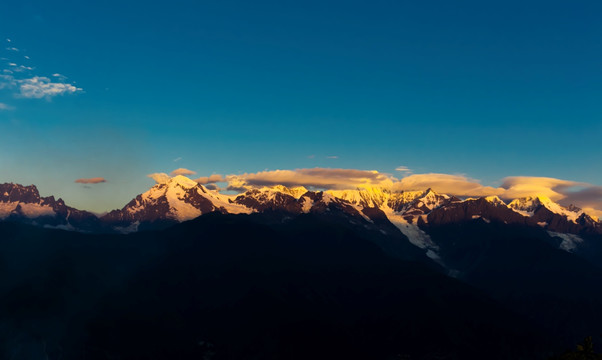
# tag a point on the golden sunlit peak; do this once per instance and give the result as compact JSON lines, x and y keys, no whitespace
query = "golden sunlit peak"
{"x":373,"y":188}
{"x":543,"y":199}
{"x":181,"y":180}
{"x":295,"y":191}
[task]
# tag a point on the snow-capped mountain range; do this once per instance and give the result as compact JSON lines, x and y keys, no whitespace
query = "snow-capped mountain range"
{"x":24,"y":204}
{"x":411,"y":212}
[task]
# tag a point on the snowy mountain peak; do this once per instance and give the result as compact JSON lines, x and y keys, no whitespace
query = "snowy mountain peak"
{"x":429,"y":191}
{"x":295,"y":192}
{"x":400,"y":200}
{"x":182,"y":181}
{"x":574,"y":208}
{"x":177,"y":199}
{"x":10,"y":192}
{"x":368,"y":196}
{"x":24,"y":203}
{"x":376,"y":190}
{"x":527,"y":206}
{"x":529,"y":201}
{"x":494,"y":199}
{"x":431,"y":199}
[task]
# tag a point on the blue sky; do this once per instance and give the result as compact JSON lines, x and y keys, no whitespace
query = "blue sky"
{"x":485,"y":89}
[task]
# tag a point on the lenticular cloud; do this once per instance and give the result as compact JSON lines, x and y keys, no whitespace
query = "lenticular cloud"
{"x":95,"y":180}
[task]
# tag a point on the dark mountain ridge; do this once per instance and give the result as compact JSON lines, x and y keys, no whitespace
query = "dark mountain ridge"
{"x":232,"y":286}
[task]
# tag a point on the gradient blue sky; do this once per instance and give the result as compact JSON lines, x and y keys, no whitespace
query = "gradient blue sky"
{"x":486,"y":89}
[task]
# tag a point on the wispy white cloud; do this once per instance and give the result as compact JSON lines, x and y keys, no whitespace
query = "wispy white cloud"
{"x":7,"y":81}
{"x":403,"y":169}
{"x":159,"y":178}
{"x":36,"y":87}
{"x":22,"y":68}
{"x":177,"y":159}
{"x":39,"y":87}
{"x":4,"y":106}
{"x":61,"y":77}
{"x":24,"y":83}
{"x":332,"y":157}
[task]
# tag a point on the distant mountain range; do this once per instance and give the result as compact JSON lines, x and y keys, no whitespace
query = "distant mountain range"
{"x":24,"y":204}
{"x":373,"y":271}
{"x":412,"y":213}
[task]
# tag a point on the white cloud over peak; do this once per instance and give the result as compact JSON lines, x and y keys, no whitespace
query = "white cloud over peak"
{"x":457,"y":185}
{"x":555,"y":189}
{"x":326,"y":178}
{"x":203,"y":180}
{"x":159,"y":178}
{"x":182,"y":171}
